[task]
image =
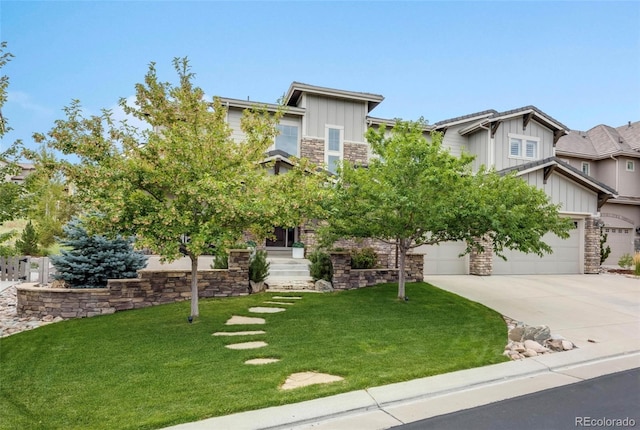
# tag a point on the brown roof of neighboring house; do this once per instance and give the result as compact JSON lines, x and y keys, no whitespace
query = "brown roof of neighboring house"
{"x":602,"y":141}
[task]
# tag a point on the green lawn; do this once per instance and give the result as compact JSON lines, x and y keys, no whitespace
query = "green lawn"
{"x":150,"y":368}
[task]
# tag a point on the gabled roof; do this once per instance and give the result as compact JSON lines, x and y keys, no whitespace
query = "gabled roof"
{"x":298,"y":88}
{"x":492,"y":117}
{"x":602,"y":141}
{"x":554,"y":164}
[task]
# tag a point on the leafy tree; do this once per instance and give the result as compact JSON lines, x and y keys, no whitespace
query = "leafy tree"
{"x":414,"y":192}
{"x":28,"y":242}
{"x":93,"y":259}
{"x":183,"y":184}
{"x":604,"y":250}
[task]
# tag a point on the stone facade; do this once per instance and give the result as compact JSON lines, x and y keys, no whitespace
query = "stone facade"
{"x":357,"y":153}
{"x":591,"y":246}
{"x":481,"y":263}
{"x":346,"y":278}
{"x":313,"y":149}
{"x":149,"y":289}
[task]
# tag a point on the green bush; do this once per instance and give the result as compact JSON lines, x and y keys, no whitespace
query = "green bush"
{"x":625,"y":261}
{"x":259,"y":267}
{"x":636,"y":262}
{"x":320,"y":267}
{"x":7,"y":250}
{"x":221,"y":255}
{"x":364,"y":258}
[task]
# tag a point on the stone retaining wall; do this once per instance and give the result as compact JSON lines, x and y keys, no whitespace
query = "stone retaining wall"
{"x":149,"y":289}
{"x":346,"y":278}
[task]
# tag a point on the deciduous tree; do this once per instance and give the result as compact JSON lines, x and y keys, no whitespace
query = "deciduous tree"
{"x":183,"y":184}
{"x":414,"y":192}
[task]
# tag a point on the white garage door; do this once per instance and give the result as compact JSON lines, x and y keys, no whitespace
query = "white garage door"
{"x":620,"y":240}
{"x":443,"y":259}
{"x":566,"y":258}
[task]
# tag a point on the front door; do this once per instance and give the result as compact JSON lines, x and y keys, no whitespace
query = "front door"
{"x":284,"y":238}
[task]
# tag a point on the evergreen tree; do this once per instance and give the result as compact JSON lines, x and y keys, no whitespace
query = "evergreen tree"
{"x":92,"y":259}
{"x":28,"y":242}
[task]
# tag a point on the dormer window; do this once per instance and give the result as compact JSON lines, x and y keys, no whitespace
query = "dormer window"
{"x":525,"y":147}
{"x":630,"y":166}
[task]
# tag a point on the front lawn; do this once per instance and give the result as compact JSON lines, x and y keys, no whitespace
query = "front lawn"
{"x":150,"y":368}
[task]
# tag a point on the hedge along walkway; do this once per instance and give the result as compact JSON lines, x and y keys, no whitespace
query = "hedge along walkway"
{"x":295,"y":380}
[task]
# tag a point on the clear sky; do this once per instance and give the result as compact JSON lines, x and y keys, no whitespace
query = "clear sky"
{"x":577,"y":61}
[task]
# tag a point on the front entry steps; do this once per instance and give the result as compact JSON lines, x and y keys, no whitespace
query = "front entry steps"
{"x":289,"y":274}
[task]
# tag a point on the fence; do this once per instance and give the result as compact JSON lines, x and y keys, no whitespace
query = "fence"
{"x":26,"y":269}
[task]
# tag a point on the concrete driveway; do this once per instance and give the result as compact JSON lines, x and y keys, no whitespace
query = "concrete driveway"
{"x":602,"y":308}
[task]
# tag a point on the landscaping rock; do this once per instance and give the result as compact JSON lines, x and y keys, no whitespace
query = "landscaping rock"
{"x":567,"y":346}
{"x":516,"y":333}
{"x":324,"y":286}
{"x":538,"y":333}
{"x":532,"y":344}
{"x":10,"y":323}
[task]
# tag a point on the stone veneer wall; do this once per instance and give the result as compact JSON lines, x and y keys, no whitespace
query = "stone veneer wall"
{"x":481,"y":263}
{"x":357,"y":153}
{"x":313,"y":149}
{"x":591,"y":246}
{"x":346,"y":278}
{"x":149,"y":289}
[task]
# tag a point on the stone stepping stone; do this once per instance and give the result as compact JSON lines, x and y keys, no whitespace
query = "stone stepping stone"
{"x":238,"y":333}
{"x":262,"y":310}
{"x":238,"y":320}
{"x":280,"y":303}
{"x":258,"y":361}
{"x":303,"y":379}
{"x":287,"y":298}
{"x":247,"y":345}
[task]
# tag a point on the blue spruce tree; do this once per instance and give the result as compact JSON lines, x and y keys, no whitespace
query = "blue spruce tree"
{"x":92,"y":259}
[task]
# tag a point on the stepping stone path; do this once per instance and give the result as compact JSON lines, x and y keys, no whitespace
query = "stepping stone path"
{"x":295,"y":380}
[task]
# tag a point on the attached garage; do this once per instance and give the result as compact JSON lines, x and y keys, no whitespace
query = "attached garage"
{"x":443,"y":259}
{"x":567,"y":257}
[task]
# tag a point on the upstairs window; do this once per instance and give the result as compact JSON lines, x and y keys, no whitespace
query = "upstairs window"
{"x":630,"y":166}
{"x":523,"y":147}
{"x":586,"y":168}
{"x":333,"y":147}
{"x":287,"y":139}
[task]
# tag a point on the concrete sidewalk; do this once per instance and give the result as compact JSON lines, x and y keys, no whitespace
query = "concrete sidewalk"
{"x":604,"y":309}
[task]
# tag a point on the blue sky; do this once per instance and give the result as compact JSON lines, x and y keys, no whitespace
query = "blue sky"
{"x":577,"y":61}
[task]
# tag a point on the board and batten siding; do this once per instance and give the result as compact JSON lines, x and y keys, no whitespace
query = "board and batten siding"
{"x":234,"y":116}
{"x":573,"y":197}
{"x":454,"y":141}
{"x":321,"y":111}
{"x":514,"y":126}
{"x":479,"y":146}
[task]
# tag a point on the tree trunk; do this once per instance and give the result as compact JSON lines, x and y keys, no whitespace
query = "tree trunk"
{"x":194,"y":286}
{"x":402,"y":254}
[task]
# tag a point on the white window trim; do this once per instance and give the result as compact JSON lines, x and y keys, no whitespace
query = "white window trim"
{"x":327,"y":152}
{"x":632,"y":164}
{"x":588,"y":166}
{"x":523,"y":146}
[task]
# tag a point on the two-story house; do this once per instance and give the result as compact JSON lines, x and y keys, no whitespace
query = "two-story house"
{"x":612,"y":156}
{"x":328,"y":125}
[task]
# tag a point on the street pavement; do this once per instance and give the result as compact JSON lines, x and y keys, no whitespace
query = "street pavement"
{"x":598,"y":313}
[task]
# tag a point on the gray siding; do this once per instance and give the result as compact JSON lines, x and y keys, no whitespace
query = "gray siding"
{"x":514,"y":126}
{"x":629,"y":181}
{"x":479,"y":146}
{"x":321,"y":111}
{"x":233,"y":119}
{"x":454,"y":141}
{"x":570,"y":195}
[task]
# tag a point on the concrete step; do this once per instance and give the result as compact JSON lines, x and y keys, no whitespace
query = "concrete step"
{"x":290,"y":283}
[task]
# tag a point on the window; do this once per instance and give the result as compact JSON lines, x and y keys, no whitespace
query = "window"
{"x":630,"y":166}
{"x":523,"y":147}
{"x":287,"y":139}
{"x":333,"y":147}
{"x":586,"y":168}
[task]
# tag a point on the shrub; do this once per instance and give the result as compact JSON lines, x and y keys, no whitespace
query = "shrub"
{"x":7,"y":250}
{"x":604,"y":250}
{"x":625,"y":261}
{"x":259,"y":267}
{"x":92,"y":259}
{"x":364,"y":258}
{"x":320,"y":267}
{"x":297,"y":245}
{"x":28,"y":242}
{"x":636,"y":262}
{"x":221,"y":255}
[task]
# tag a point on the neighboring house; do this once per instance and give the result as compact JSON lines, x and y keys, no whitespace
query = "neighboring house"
{"x":612,"y":156}
{"x":328,"y":125}
{"x":25,"y":170}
